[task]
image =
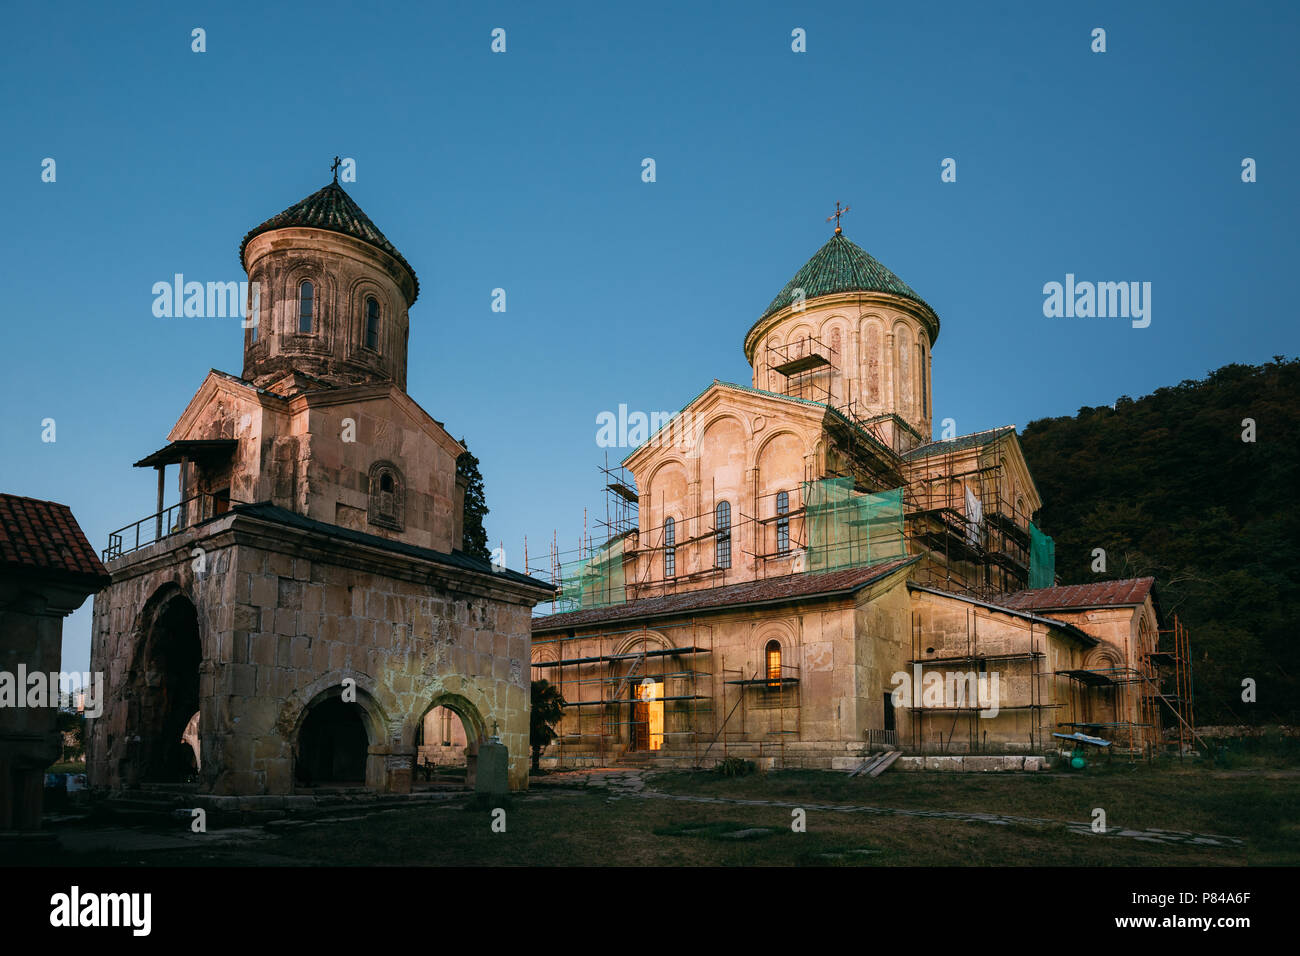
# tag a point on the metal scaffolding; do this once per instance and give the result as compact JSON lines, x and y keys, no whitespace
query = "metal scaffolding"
{"x":606,"y":702}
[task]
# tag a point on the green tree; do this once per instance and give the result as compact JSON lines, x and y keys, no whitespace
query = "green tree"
{"x":546,"y":711}
{"x":73,"y":725}
{"x":1167,"y":486}
{"x":475,"y":541}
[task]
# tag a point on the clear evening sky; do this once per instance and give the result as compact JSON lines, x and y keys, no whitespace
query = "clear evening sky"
{"x":523,"y":171}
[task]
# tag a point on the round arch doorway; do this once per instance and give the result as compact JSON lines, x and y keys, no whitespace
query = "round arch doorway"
{"x":166,"y":684}
{"x":333,"y":745}
{"x":447,"y":739}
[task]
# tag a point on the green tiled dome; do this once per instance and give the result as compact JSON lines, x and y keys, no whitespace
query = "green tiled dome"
{"x":841,"y":266}
{"x":334,"y":210}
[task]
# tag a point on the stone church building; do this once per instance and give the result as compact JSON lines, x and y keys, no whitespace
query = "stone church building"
{"x":304,"y":616}
{"x":805,"y":574}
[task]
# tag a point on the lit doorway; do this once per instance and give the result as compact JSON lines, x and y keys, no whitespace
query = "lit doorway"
{"x":648,"y":716}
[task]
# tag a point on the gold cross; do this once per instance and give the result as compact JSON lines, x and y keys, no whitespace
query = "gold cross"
{"x":838,"y":212}
{"x":337,"y":164}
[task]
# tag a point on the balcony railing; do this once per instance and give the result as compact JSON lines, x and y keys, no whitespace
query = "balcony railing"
{"x":163,"y":524}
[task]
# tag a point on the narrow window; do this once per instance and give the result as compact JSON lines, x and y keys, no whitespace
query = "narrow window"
{"x":252,"y":315}
{"x":783,"y":523}
{"x":306,"y":306}
{"x":372,"y":323}
{"x":387,"y":492}
{"x":772,"y":656}
{"x":722,"y":523}
{"x":670,"y":548}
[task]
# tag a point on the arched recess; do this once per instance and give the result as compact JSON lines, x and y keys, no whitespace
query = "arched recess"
{"x":781,"y":632}
{"x":780,"y":462}
{"x":871,"y":360}
{"x":332,"y":737}
{"x":666,"y":494}
{"x":324,"y":299}
{"x":162,"y":690}
{"x":1103,"y":703}
{"x":473,"y":732}
{"x":903,"y":369}
{"x":723,"y":458}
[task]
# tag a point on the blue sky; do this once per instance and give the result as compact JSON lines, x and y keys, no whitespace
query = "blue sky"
{"x":522,"y":171}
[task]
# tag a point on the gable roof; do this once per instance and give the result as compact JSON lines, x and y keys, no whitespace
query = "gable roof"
{"x":973,"y":440}
{"x":820,"y":407}
{"x":43,"y":537}
{"x":843,"y":266}
{"x":333,"y":210}
{"x":1071,"y":629}
{"x":1122,"y":593}
{"x":788,"y":587}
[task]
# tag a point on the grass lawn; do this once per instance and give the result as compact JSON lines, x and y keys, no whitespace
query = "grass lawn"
{"x":559,"y":826}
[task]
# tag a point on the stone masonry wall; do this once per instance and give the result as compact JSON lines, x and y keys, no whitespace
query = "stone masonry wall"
{"x":284,"y":618}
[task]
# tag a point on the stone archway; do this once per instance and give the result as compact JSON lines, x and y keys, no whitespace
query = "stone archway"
{"x":164,"y":692}
{"x":1103,"y":702}
{"x":333,"y":737}
{"x":473,"y":732}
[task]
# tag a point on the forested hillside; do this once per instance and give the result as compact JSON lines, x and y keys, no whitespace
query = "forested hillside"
{"x":1167,"y":486}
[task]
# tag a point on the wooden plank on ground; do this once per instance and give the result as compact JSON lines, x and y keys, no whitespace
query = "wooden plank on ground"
{"x":871,"y":761}
{"x":885,"y":764}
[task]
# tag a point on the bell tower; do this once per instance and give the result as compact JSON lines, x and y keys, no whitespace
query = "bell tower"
{"x":330,"y":295}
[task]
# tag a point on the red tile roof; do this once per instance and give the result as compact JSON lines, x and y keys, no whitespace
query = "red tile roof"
{"x":1098,"y":594}
{"x":44,"y":536}
{"x":771,"y":590}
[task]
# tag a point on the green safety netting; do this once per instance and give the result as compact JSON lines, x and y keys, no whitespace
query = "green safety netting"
{"x":1042,"y":558}
{"x":847,"y":529}
{"x":594,"y":581}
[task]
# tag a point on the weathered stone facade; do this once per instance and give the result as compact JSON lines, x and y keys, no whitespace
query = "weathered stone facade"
{"x":285,"y":616}
{"x":308,"y":599}
{"x":757,"y":631}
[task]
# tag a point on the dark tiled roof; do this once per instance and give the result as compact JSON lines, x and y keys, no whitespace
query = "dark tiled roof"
{"x":456,"y":559}
{"x":973,"y":440}
{"x":332,"y":209}
{"x":202,"y":450}
{"x":842,"y":266}
{"x":1098,"y":594}
{"x":43,"y":536}
{"x":769,"y":591}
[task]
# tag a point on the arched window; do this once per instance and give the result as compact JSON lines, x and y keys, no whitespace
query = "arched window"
{"x":387,"y":496}
{"x":783,"y":523}
{"x":722,"y":524}
{"x":670,"y":548}
{"x":772,"y":663}
{"x":306,"y":307}
{"x":253,"y":317}
{"x":372,"y":323}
